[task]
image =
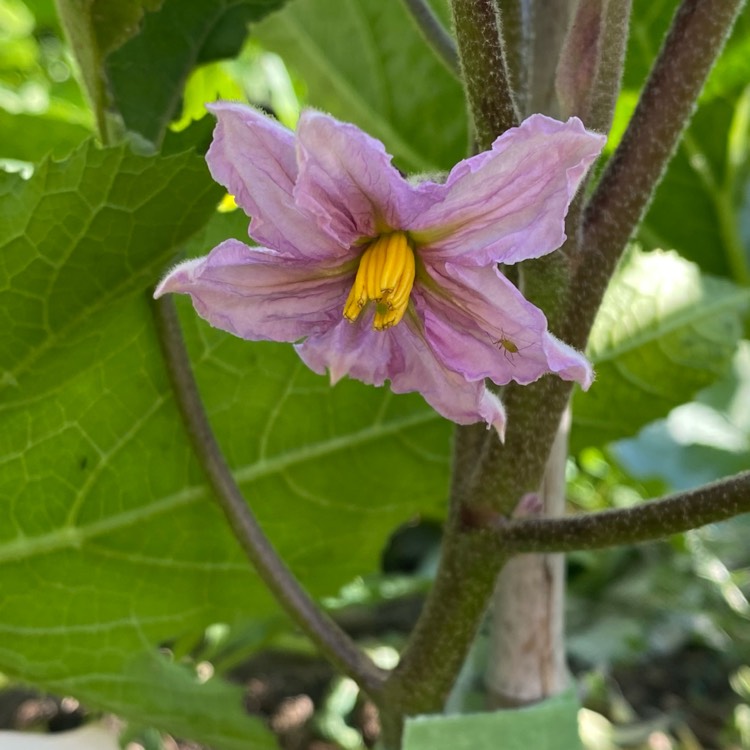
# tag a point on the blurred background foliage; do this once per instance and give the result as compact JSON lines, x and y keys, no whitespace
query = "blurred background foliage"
{"x":659,"y":635}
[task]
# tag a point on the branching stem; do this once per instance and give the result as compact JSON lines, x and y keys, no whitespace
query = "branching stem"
{"x":330,"y":639}
{"x":642,"y":523}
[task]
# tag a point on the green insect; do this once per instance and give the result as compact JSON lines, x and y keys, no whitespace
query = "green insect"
{"x":508,"y":346}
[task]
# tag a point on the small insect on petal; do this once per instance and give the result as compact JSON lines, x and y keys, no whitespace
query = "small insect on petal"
{"x":508,"y":346}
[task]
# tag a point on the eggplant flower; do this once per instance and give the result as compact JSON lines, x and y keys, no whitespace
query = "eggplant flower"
{"x":380,"y":278}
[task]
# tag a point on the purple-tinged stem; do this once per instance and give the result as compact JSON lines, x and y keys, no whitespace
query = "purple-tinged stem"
{"x":435,"y":34}
{"x":655,"y":519}
{"x":333,"y":643}
{"x":484,"y":68}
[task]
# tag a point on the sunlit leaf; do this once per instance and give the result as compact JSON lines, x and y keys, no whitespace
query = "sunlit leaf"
{"x":701,"y":441}
{"x":663,"y":332}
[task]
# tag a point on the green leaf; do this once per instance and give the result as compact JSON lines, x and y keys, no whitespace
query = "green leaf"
{"x":109,"y":542}
{"x":148,"y":73}
{"x":695,"y":206}
{"x":135,"y":56}
{"x":66,"y":231}
{"x":663,"y":332}
{"x":177,"y":699}
{"x":549,"y":725}
{"x":365,"y":62}
{"x":699,"y":442}
{"x":32,"y":137}
{"x":649,"y":24}
{"x":95,"y":28}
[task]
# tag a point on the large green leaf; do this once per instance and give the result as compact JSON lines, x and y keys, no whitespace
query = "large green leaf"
{"x":549,"y":725}
{"x":86,"y":231}
{"x":366,"y":62}
{"x":663,"y":332}
{"x":109,"y":541}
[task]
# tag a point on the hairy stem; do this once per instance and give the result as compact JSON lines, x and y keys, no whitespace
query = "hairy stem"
{"x":591,"y":62}
{"x":515,"y":21}
{"x":550,"y":19}
{"x":504,"y":472}
{"x":469,"y":564}
{"x":330,"y":639}
{"x":642,"y":523}
{"x":611,"y":65}
{"x":697,"y":35}
{"x":484,"y":67}
{"x":435,"y":34}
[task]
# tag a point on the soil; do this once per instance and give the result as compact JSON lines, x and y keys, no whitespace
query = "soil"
{"x":690,"y":688}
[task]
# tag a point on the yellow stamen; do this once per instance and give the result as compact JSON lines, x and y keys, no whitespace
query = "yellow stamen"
{"x":376,"y":260}
{"x":402,"y":289}
{"x":396,"y":255}
{"x":385,"y":318}
{"x":385,"y":276}
{"x":357,"y":295}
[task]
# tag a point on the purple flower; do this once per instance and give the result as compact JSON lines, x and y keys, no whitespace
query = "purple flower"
{"x":381,"y":278}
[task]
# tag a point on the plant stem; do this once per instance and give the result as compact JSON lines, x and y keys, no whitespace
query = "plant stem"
{"x":696,"y":37}
{"x":591,"y":61}
{"x":515,"y":21}
{"x":435,"y":34}
{"x":485,"y":71}
{"x":642,"y":523}
{"x":505,"y":472}
{"x":330,"y":639}
{"x":611,"y":64}
{"x":551,"y":19}
{"x":469,"y":564}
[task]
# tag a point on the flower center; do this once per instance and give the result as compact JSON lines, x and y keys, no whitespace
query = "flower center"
{"x":385,"y":276}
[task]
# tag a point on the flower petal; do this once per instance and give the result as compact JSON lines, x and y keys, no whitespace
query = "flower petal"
{"x":446,"y":390}
{"x":352,"y":349}
{"x":401,"y":355}
{"x":509,"y":204}
{"x":567,"y":362}
{"x":254,"y":157}
{"x":347,"y":181}
{"x":481,"y":325}
{"x":257,"y":294}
